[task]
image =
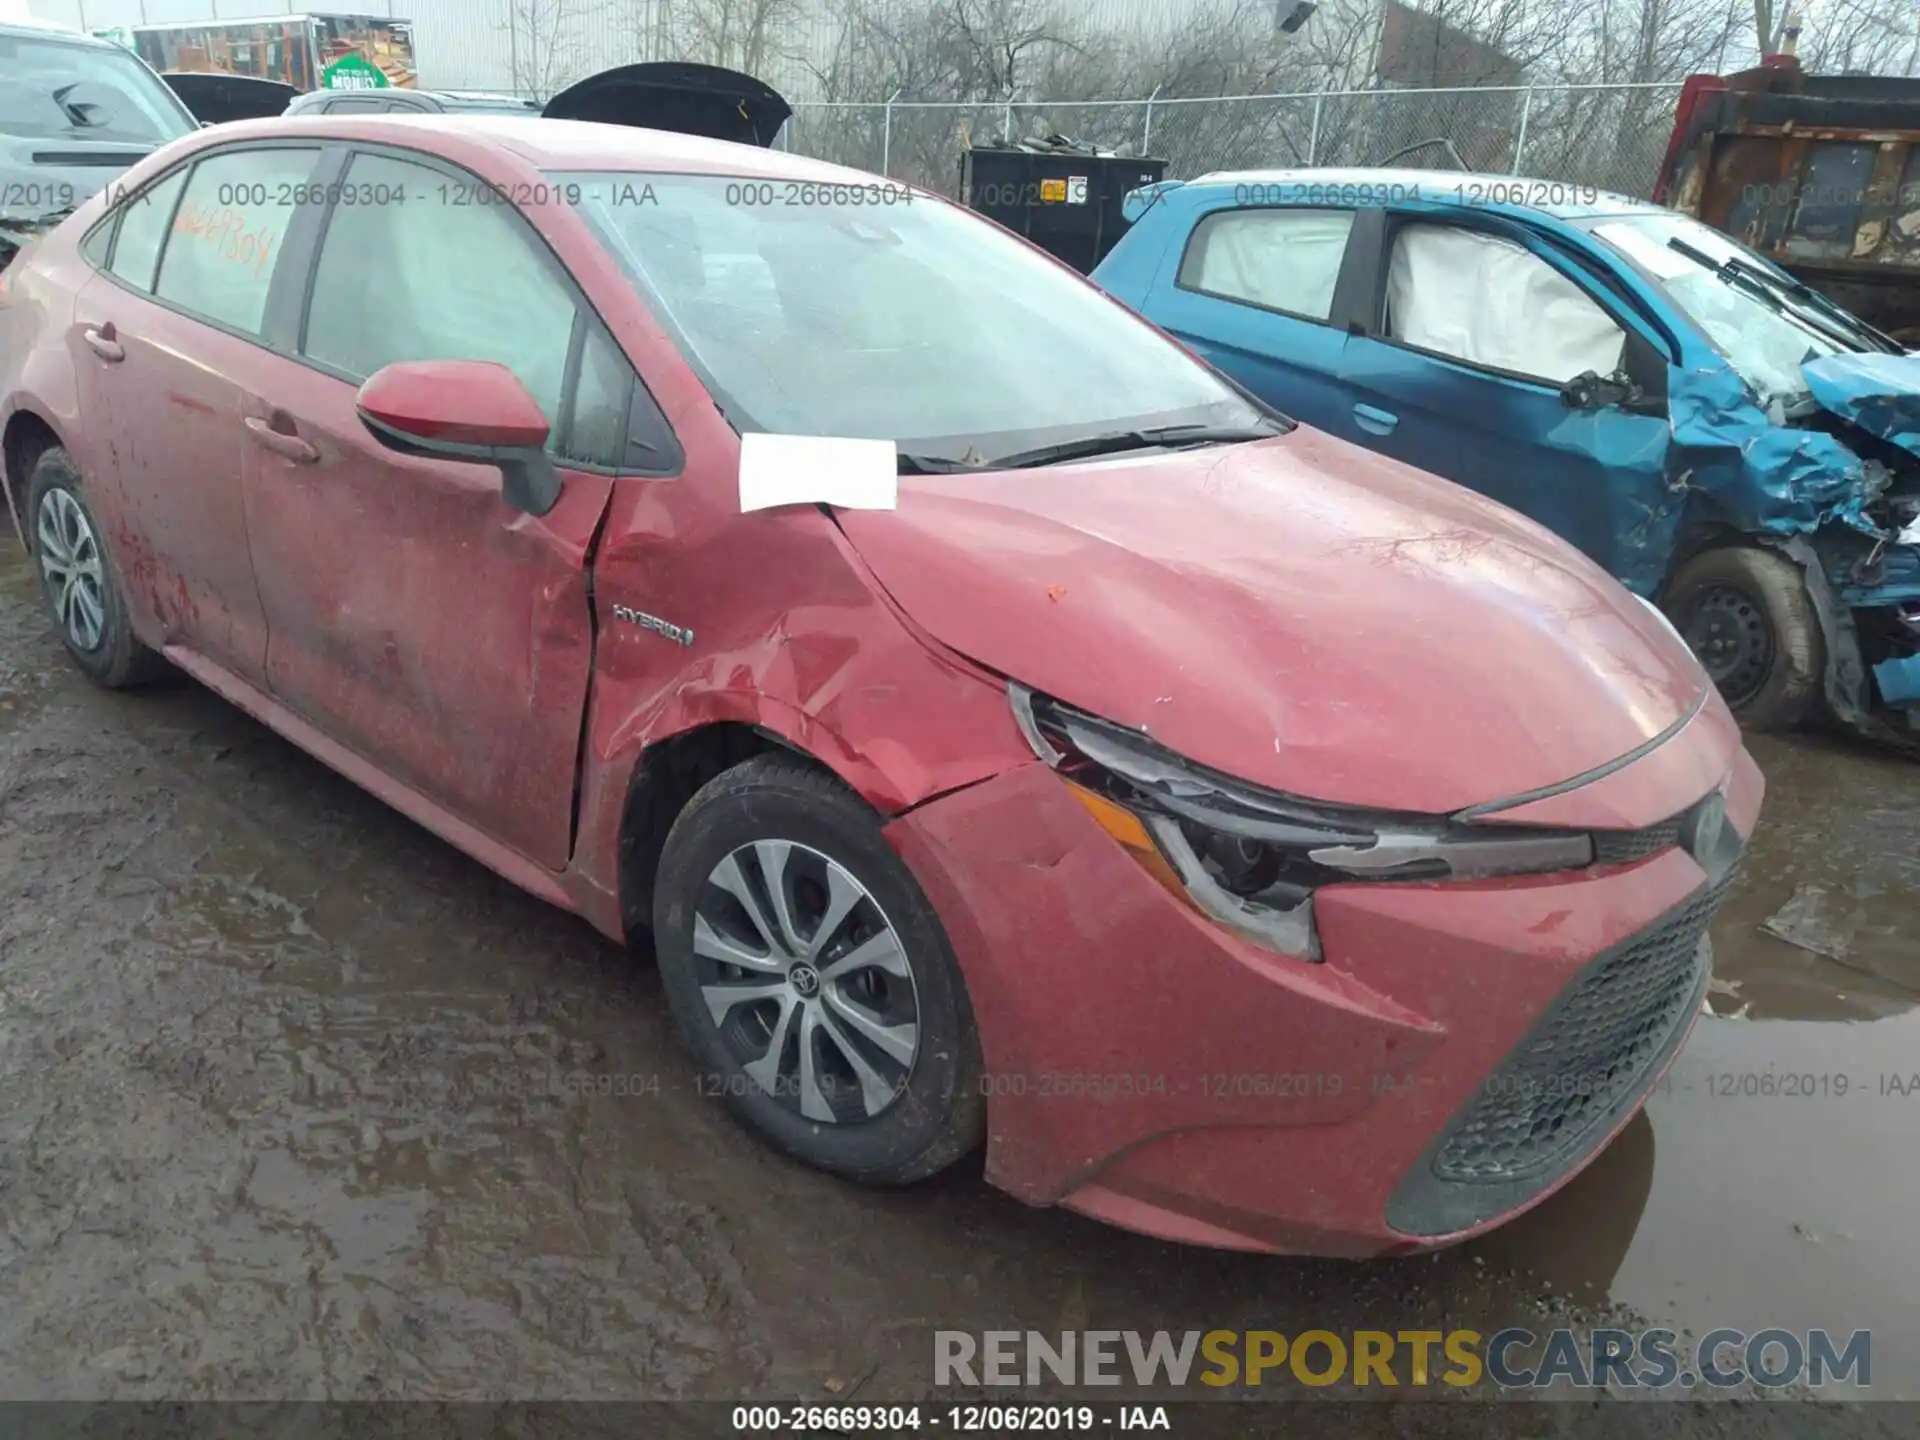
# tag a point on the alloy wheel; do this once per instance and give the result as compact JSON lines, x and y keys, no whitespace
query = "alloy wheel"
{"x":807,"y":982}
{"x":70,"y":559}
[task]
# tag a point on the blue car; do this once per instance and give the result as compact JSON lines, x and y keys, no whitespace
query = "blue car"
{"x":1727,"y":442}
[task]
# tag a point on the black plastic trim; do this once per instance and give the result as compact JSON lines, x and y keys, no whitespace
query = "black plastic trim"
{"x":1425,"y":1205}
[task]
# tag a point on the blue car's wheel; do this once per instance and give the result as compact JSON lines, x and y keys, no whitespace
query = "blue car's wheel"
{"x":1747,"y":615}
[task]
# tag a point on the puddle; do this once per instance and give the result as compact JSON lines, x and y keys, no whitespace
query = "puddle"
{"x":1772,"y":1180}
{"x":1841,"y":830}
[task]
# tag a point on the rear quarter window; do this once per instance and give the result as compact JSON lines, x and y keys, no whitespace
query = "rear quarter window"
{"x":226,"y":235}
{"x":1286,"y":260}
{"x":143,"y":226}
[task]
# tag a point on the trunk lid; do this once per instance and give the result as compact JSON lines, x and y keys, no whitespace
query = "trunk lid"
{"x":679,"y":96}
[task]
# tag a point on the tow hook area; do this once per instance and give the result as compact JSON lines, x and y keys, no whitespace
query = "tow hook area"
{"x":1899,"y":679}
{"x":1849,"y":683}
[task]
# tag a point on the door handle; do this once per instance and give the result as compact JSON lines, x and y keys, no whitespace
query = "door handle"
{"x":278,"y":436}
{"x":104,"y":341}
{"x":1375,"y":421}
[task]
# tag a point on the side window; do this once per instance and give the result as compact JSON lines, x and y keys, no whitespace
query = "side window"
{"x":1490,"y":302}
{"x":226,"y":236}
{"x":597,"y":429}
{"x":143,"y":225}
{"x":1277,"y":259}
{"x":99,"y":242}
{"x":426,"y":273}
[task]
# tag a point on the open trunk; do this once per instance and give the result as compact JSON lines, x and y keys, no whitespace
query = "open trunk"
{"x":215,"y":99}
{"x":679,"y":96}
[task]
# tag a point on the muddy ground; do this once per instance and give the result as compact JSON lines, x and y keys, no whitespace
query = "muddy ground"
{"x":266,"y":1051}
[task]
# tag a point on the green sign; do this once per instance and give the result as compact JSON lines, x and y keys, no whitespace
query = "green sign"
{"x":353,"y":72}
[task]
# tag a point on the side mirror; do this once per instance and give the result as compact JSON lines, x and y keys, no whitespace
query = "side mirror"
{"x":473,"y":410}
{"x":1589,"y":390}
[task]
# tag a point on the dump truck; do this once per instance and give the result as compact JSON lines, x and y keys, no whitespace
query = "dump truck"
{"x":1818,"y":173}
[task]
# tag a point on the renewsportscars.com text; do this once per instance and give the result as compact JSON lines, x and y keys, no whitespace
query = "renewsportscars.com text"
{"x":1513,"y":1358}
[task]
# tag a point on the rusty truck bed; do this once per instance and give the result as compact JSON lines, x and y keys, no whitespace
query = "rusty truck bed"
{"x":1820,"y":174}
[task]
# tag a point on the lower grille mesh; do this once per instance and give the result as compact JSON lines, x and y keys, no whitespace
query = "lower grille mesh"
{"x":1617,"y":847}
{"x":1592,"y":1048}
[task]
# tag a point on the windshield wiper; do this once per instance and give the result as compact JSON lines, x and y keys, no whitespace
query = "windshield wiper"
{"x":934,"y":465}
{"x":1830,"y":320}
{"x":1158,"y":437}
{"x":23,"y":228}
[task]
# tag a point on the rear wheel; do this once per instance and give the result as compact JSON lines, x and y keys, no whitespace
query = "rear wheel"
{"x":78,"y":578}
{"x":1747,"y":614}
{"x":812,"y":980}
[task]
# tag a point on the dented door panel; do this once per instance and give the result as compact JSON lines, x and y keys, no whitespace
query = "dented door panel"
{"x":418,"y":619}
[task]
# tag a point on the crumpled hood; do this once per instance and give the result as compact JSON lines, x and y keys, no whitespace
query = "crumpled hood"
{"x":1879,"y":393}
{"x":1297,"y":612}
{"x":1780,"y":479}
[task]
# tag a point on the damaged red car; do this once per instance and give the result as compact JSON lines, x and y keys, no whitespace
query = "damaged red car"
{"x":1008,"y":733}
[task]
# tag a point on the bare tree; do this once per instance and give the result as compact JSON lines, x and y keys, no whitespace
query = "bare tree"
{"x":749,"y":35}
{"x":1871,"y":37}
{"x":551,"y":43}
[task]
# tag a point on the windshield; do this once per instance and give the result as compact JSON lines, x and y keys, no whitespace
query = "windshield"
{"x":55,"y":90}
{"x":1765,"y":345}
{"x":873,"y":312}
{"x":60,"y":91}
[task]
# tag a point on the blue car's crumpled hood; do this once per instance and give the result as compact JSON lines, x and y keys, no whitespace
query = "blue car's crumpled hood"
{"x":1879,"y":393}
{"x":1767,"y":477}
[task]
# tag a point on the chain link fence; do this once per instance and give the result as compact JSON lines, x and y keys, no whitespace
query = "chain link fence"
{"x":1609,"y":136}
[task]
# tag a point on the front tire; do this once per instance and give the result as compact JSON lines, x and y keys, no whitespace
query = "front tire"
{"x":1747,"y":614}
{"x":812,"y":980}
{"x":78,"y":578}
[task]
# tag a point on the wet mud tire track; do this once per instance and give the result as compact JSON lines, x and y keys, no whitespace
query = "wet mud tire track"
{"x":275,"y":1125}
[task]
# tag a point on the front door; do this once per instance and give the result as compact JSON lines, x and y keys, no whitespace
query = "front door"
{"x":413,"y":615}
{"x":1462,"y":372}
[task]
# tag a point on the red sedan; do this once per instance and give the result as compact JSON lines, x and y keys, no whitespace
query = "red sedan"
{"x":1007,"y":731}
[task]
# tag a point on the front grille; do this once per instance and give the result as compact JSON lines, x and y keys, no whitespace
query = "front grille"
{"x":1618,"y":847}
{"x":1588,"y":1053}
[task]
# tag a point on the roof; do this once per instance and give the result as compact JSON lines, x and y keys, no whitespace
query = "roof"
{"x":562,"y":144}
{"x":1563,"y":200}
{"x":38,"y":29}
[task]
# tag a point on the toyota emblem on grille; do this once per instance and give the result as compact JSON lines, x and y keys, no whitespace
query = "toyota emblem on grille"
{"x":1701,"y":832}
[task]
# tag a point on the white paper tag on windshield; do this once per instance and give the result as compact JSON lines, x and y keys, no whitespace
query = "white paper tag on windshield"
{"x":818,"y":470}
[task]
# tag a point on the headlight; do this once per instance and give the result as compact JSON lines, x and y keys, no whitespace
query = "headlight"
{"x":1251,"y":858}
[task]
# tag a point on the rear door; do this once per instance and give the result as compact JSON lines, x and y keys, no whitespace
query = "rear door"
{"x":165,"y":335}
{"x":414,"y":616}
{"x":1253,"y":292}
{"x":1471,"y":336}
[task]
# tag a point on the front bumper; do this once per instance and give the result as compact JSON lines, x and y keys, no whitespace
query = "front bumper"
{"x":1148,"y":1069}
